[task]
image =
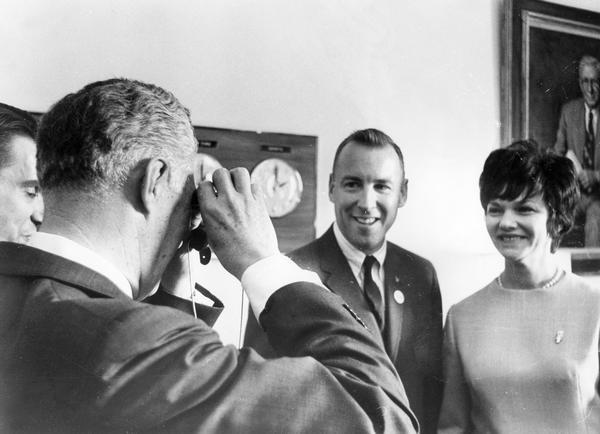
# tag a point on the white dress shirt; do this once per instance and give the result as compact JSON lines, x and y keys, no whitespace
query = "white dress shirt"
{"x":263,"y":278}
{"x":75,"y":252}
{"x":356,"y":258}
{"x":594,"y":120}
{"x":259,"y":281}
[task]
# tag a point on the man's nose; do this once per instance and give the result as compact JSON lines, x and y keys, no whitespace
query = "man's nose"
{"x":37,"y":214}
{"x":590,"y":86}
{"x":368,"y":198}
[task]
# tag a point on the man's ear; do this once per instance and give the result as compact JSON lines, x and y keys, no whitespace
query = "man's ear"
{"x":331,"y":186}
{"x":403,"y":193}
{"x":154,"y":180}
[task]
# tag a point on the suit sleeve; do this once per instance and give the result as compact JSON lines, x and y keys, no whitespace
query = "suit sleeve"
{"x":254,"y":335}
{"x":456,"y":404}
{"x":433,"y":381}
{"x":561,"y":145}
{"x":176,"y":376}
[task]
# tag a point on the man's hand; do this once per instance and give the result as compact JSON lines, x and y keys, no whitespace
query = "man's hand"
{"x":235,"y":217}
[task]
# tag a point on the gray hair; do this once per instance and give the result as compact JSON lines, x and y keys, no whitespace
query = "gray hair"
{"x":92,"y":139}
{"x":588,"y":60}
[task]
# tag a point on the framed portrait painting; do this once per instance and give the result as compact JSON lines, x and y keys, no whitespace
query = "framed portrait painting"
{"x":544,"y":43}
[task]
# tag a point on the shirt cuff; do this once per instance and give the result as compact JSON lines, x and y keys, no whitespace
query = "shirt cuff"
{"x":264,"y":277}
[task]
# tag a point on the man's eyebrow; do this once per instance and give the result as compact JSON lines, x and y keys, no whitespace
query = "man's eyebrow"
{"x":30,"y":183}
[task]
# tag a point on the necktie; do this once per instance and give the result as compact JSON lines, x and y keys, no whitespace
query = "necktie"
{"x":588,"y":148}
{"x":372,"y":293}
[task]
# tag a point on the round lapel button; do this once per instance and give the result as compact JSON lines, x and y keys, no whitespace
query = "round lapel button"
{"x":398,"y":296}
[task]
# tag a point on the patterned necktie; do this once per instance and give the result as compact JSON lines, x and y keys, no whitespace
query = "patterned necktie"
{"x":588,"y":148}
{"x":372,"y":293}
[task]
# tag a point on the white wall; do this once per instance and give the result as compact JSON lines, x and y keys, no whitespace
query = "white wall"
{"x":425,"y":72}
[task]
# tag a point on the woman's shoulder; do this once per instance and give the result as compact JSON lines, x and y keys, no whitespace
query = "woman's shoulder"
{"x":474,"y":302}
{"x":586,"y":287}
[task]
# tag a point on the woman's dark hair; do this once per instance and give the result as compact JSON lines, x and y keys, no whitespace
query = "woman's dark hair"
{"x":523,"y":169}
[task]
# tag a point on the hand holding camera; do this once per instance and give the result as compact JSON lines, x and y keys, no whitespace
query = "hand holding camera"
{"x":236,"y":221}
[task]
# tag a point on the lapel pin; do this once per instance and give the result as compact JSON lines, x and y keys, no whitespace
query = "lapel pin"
{"x":559,"y":337}
{"x":397,"y":279}
{"x":398,"y":296}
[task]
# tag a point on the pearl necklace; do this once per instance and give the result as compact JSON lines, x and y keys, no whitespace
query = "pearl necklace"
{"x":557,"y":276}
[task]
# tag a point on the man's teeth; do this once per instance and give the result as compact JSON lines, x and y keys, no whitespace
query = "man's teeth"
{"x":366,"y":220}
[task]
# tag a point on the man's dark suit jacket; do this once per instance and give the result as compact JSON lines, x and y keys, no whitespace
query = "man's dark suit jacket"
{"x":413,"y":331}
{"x":571,"y":132}
{"x":77,"y":355}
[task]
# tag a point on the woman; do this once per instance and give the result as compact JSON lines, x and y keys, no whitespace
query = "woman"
{"x":521,"y":354}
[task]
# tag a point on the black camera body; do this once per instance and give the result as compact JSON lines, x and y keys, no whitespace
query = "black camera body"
{"x":198,"y":238}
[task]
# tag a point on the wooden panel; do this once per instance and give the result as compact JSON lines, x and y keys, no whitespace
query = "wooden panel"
{"x":235,"y":148}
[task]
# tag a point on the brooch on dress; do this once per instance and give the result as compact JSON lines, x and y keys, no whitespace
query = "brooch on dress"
{"x":559,"y":336}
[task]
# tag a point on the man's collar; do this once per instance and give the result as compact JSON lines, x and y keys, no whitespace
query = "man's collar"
{"x":354,"y":256}
{"x":588,"y":109}
{"x":75,"y":252}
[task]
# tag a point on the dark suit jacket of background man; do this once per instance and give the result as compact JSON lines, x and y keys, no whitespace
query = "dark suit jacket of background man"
{"x":413,"y":331}
{"x":571,"y":132}
{"x":77,"y":354}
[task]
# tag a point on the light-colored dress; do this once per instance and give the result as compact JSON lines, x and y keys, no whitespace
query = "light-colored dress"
{"x":523,"y":361}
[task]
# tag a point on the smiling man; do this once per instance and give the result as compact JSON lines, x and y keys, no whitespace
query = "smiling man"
{"x":83,"y":349}
{"x":392,"y":290}
{"x":22,"y":208}
{"x":578,"y":133}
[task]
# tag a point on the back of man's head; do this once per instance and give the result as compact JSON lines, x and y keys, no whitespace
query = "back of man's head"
{"x":92,"y":139}
{"x":13,"y":122}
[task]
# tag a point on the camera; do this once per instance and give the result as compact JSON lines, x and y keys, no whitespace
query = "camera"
{"x":198,"y":238}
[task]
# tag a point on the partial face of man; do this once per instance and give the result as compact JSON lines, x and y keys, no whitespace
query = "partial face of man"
{"x":22,"y":208}
{"x":589,"y":83}
{"x":367,"y":187}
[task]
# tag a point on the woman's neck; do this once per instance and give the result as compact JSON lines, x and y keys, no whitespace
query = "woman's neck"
{"x":528,"y":276}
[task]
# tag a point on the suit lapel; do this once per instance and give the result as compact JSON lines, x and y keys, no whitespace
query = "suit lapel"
{"x":581,"y":127}
{"x":580,"y":130}
{"x":576,"y":129}
{"x":395,"y":291}
{"x":21,"y":260}
{"x":596,"y":142}
{"x":338,"y":277}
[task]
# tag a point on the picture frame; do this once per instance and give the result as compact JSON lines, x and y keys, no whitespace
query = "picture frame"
{"x":543,"y":43}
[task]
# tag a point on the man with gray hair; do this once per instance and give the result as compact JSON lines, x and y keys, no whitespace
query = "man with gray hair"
{"x":83,"y":348}
{"x":578,"y":138}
